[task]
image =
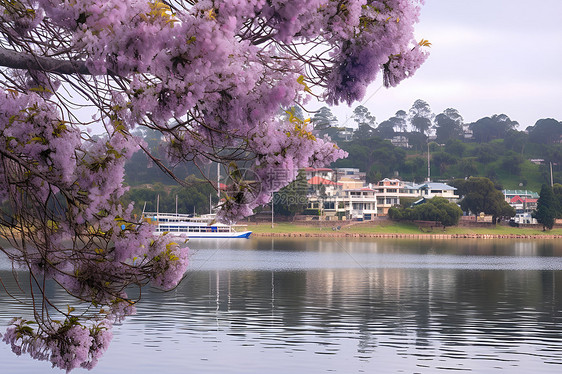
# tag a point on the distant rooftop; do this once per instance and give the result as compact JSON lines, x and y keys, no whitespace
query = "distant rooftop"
{"x":431,"y":186}
{"x":522,"y":193}
{"x":319,"y":180}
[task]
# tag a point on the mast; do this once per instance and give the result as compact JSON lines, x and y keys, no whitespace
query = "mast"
{"x":272,"y":202}
{"x":157,"y":207}
{"x":219,"y":180}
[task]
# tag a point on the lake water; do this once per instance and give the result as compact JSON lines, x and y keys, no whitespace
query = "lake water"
{"x":342,"y":306}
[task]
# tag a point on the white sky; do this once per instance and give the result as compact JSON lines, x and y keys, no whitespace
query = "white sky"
{"x":487,"y":57}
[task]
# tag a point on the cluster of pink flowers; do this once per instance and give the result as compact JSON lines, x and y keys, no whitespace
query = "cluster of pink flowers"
{"x":68,"y":346}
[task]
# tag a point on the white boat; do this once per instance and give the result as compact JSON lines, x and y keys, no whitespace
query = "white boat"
{"x":193,"y":227}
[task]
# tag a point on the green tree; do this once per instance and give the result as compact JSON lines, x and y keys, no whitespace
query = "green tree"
{"x":416,"y":168}
{"x":512,"y":162}
{"x":490,"y":128}
{"x":516,"y":140}
{"x":420,"y":116}
{"x":323,"y":119}
{"x":291,"y":199}
{"x":385,"y":129}
{"x":546,"y":208}
{"x":443,"y":160}
{"x":417,"y":140}
{"x":467,"y":167}
{"x":557,"y":190}
{"x":374,"y":155}
{"x":437,"y":209}
{"x":362,"y":116}
{"x":364,"y":131}
{"x":481,"y":196}
{"x":455,"y":147}
{"x":545,"y":131}
{"x":448,"y":125}
{"x":485,"y":153}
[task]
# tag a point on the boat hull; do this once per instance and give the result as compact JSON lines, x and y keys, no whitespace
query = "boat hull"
{"x":207,"y":235}
{"x":219,"y":235}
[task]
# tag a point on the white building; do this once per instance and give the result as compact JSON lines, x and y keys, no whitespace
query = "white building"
{"x":388,"y":193}
{"x":430,"y":190}
{"x":360,"y":203}
{"x":344,"y":193}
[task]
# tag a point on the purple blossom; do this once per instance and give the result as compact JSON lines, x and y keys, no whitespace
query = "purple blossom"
{"x":212,"y":78}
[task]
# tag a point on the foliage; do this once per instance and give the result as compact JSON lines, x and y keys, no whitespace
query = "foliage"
{"x":362,"y":116}
{"x":420,"y":116}
{"x":490,"y":128}
{"x":557,"y":190}
{"x":416,"y":167}
{"x":545,"y":131}
{"x":436,"y":209}
{"x":417,"y":140}
{"x":442,"y":160}
{"x":385,"y":129}
{"x":455,"y":147}
{"x":323,"y":119}
{"x":448,"y":125}
{"x":505,"y":154}
{"x":374,"y":155}
{"x":479,"y":195}
{"x":190,"y":198}
{"x":211,"y":77}
{"x":292,"y":199}
{"x":547,"y":207}
{"x":511,"y":162}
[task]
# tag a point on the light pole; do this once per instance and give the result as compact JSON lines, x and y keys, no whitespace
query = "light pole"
{"x":272,"y":203}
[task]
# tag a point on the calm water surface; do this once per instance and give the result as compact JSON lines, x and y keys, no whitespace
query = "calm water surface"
{"x":341,"y":306}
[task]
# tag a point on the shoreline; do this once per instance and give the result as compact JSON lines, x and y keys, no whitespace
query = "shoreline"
{"x":401,"y":235}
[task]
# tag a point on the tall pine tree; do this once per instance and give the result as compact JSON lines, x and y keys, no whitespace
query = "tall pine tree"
{"x":546,"y":208}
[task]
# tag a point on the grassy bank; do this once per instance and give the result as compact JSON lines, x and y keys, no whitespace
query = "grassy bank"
{"x":389,"y":227}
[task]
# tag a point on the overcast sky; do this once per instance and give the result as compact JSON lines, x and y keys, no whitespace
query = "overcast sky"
{"x":487,"y":57}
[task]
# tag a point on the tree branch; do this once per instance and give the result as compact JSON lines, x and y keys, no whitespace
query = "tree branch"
{"x":19,"y":60}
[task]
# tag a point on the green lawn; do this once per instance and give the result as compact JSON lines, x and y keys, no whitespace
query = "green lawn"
{"x":395,"y":228}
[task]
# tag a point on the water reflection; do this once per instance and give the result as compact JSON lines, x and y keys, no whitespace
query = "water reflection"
{"x":349,"y":306}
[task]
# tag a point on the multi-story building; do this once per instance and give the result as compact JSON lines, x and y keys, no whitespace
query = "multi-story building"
{"x":524,"y":194}
{"x":388,"y":193}
{"x":350,"y":178}
{"x":360,"y":203}
{"x":344,"y":193}
{"x":430,"y":190}
{"x":325,"y":173}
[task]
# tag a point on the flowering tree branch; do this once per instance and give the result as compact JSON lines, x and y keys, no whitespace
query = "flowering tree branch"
{"x":24,"y":61}
{"x":211,"y":76}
